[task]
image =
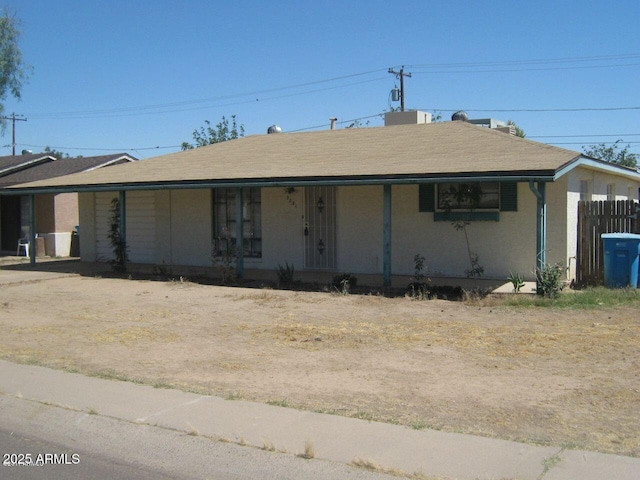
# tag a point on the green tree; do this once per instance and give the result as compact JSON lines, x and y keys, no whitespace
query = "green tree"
{"x":612,"y":154}
{"x":55,"y":153}
{"x":222,"y":132}
{"x":13,"y":72}
{"x":519,"y":132}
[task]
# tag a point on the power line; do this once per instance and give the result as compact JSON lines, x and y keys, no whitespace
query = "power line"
{"x":146,"y":109}
{"x":535,"y":110}
{"x":185,"y":105}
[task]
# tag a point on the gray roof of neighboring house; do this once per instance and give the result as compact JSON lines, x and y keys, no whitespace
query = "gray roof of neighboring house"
{"x":14,"y":163}
{"x":391,"y":154}
{"x":57,"y":168}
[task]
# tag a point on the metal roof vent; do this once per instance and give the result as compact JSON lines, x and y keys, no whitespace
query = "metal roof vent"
{"x":274,"y":129}
{"x":460,"y":116}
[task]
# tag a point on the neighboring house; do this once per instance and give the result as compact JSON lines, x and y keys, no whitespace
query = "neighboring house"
{"x":56,"y":215}
{"x":363,"y":201}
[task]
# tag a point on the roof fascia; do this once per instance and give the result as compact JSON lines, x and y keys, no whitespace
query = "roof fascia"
{"x":599,"y":165}
{"x":288,"y":182}
{"x":111,"y":162}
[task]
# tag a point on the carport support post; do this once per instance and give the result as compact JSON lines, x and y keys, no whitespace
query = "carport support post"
{"x":386,"y":236}
{"x":32,"y":229}
{"x":239,"y":235}
{"x":540,"y":192}
{"x":122,"y":205}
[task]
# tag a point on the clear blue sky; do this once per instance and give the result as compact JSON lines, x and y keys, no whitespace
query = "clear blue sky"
{"x":133,"y":75}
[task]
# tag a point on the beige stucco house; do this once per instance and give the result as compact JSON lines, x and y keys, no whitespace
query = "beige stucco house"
{"x":362,"y":201}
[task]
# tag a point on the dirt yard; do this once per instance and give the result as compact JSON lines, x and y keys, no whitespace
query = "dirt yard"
{"x":551,"y":376}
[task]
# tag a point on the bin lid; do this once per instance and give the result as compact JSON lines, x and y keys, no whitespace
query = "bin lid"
{"x":623,"y":236}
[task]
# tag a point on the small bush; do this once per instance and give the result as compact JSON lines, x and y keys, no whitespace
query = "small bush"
{"x":285,"y":274}
{"x":419,"y":291}
{"x":549,"y":280}
{"x":419,"y":288}
{"x":344,"y":283}
{"x":517,"y":280}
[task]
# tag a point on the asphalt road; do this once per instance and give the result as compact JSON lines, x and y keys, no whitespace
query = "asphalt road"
{"x":76,"y":445}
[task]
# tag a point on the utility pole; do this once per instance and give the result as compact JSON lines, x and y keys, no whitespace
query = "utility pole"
{"x":13,"y":119}
{"x":400,"y":75}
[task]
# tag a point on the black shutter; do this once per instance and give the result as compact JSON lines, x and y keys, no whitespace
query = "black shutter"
{"x":509,"y":197}
{"x":427,"y":202}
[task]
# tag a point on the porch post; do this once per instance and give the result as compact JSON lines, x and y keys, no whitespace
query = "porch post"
{"x":32,"y":229}
{"x":541,"y":222}
{"x":239,"y":234}
{"x":122,"y":205}
{"x":386,"y":235}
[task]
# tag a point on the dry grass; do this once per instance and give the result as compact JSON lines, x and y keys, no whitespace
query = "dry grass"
{"x":554,"y":375}
{"x":309,"y":451}
{"x":375,"y":467}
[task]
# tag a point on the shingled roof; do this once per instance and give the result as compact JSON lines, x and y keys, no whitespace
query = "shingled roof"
{"x":64,"y":166}
{"x":404,"y":153}
{"x":13,"y":163}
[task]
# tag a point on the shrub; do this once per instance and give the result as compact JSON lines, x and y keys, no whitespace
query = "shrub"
{"x":285,"y":274}
{"x":419,"y":288}
{"x":344,"y":283}
{"x":548,"y":280}
{"x":517,"y":280}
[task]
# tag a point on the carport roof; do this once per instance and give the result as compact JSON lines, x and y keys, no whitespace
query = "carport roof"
{"x":391,"y":154}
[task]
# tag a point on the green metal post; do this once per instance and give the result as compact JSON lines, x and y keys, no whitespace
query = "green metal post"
{"x":239,"y":234}
{"x":122,"y":203}
{"x":386,"y":236}
{"x":32,"y":229}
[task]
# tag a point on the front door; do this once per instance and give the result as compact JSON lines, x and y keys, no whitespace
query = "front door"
{"x":320,"y":228}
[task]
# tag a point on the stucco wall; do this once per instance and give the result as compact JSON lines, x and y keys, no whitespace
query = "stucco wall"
{"x":66,"y":212}
{"x":503,"y":246}
{"x":359,"y":229}
{"x":87,"y":212}
{"x":45,"y":213}
{"x":183,"y":226}
{"x":190,"y":235}
{"x":569,"y":185}
{"x":282,"y":230}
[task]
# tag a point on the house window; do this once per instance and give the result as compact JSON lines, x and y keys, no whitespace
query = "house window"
{"x":487,"y":198}
{"x":584,"y":191}
{"x":611,"y":191}
{"x":468,"y":196}
{"x":224,"y":224}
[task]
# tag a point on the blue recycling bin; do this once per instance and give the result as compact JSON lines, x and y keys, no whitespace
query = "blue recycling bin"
{"x":621,"y":259}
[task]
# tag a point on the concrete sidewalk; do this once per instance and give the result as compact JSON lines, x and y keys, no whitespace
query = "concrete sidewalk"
{"x":426,"y":452}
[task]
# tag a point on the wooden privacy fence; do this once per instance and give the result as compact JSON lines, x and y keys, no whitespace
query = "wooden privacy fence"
{"x":594,"y":219}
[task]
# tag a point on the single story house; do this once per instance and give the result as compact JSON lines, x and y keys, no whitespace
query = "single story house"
{"x":56,"y":214}
{"x":363,"y":201}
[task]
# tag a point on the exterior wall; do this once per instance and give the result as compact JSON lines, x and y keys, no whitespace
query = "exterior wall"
{"x":558,"y":231}
{"x":359,"y":229}
{"x":505,"y":246}
{"x":66,"y":212}
{"x":102,"y":205}
{"x":45,"y":213}
{"x":569,"y":186}
{"x":282,"y":230}
{"x":87,"y":211}
{"x":56,"y":218}
{"x":190,"y":227}
{"x":141,"y":226}
{"x":179,"y":226}
{"x":163,"y":227}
